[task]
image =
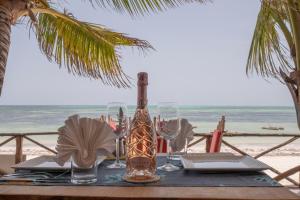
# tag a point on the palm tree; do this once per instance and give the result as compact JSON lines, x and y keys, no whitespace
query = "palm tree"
{"x":85,"y":49}
{"x":275,"y":48}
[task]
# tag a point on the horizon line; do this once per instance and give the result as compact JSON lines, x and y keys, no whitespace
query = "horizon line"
{"x":180,"y":105}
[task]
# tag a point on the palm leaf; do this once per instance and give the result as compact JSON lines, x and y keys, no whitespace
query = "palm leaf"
{"x":269,"y":52}
{"x":41,"y":3}
{"x":141,"y":7}
{"x":85,"y":49}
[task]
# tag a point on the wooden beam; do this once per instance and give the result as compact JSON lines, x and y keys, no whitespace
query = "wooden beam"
{"x":18,"y":192}
{"x":271,"y":168}
{"x":287,"y":173}
{"x":7,"y":140}
{"x":41,"y":145}
{"x":234,"y":148}
{"x":276,"y":147}
{"x":197,"y":141}
{"x":42,"y":133}
{"x":22,"y":134}
{"x":19,"y":149}
{"x":238,"y":134}
{"x":287,"y":178}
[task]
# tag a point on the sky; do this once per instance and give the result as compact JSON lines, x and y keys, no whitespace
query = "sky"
{"x":200,"y":59}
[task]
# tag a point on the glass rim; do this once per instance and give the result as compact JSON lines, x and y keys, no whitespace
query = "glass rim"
{"x":167,"y":103}
{"x":116,"y":103}
{"x":113,"y":107}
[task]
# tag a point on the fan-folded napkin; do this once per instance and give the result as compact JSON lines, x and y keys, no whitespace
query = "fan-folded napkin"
{"x":186,"y":132}
{"x":82,"y":138}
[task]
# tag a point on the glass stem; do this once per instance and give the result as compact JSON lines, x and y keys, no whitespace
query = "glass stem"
{"x":186,"y":146}
{"x":168,"y":151}
{"x":117,"y":150}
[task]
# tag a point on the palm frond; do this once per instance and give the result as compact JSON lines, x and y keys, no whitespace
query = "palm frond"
{"x":269,"y":52}
{"x":41,"y":3}
{"x":141,"y":7}
{"x":85,"y":49}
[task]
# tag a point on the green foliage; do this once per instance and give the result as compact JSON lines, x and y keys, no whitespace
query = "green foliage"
{"x":141,"y":7}
{"x":85,"y":49}
{"x":272,"y":40}
{"x":88,"y":49}
{"x":275,"y":45}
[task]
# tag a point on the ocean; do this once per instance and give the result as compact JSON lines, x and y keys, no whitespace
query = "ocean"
{"x":24,"y":119}
{"x":204,"y":118}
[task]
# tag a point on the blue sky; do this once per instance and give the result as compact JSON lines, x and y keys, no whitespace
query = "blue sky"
{"x":200,"y":58}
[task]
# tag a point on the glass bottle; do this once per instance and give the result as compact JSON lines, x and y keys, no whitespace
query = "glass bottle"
{"x":141,"y":141}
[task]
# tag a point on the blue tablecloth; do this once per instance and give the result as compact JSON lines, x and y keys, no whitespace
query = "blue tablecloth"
{"x":182,"y":178}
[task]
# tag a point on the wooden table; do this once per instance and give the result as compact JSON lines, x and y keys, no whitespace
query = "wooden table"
{"x":18,"y":192}
{"x":30,"y":192}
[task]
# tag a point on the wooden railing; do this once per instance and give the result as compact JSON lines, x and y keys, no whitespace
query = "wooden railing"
{"x":20,"y":137}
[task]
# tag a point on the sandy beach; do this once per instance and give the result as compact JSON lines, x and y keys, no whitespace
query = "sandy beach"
{"x":251,"y":145}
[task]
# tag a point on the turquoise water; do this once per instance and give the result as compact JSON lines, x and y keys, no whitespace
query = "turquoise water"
{"x":238,"y":119}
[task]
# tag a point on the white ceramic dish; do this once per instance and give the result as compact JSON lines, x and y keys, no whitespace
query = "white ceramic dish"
{"x":46,"y":163}
{"x":221,"y":162}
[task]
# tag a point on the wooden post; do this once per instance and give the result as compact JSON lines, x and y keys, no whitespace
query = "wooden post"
{"x":102,"y":118}
{"x":19,"y":149}
{"x":208,"y":143}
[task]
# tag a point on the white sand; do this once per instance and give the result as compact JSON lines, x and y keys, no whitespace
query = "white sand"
{"x":282,"y":163}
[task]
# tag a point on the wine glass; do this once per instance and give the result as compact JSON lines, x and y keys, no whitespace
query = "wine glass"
{"x":168,"y":127}
{"x":177,"y":155}
{"x":117,"y":120}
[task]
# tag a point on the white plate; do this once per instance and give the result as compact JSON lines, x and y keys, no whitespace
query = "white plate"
{"x":221,"y":162}
{"x":46,"y":163}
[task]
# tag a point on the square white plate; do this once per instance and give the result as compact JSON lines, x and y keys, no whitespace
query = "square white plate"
{"x":46,"y":163}
{"x":221,"y":162}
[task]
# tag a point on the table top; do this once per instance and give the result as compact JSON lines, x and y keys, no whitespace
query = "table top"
{"x":15,"y":192}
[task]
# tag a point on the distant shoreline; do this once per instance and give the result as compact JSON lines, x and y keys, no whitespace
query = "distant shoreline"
{"x":151,"y":105}
{"x":291,"y":150}
{"x":249,"y":119}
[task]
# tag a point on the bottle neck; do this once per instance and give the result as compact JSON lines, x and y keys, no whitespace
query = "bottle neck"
{"x":142,"y":96}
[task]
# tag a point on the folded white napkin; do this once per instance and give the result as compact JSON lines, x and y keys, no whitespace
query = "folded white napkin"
{"x":82,"y":138}
{"x":186,"y":132}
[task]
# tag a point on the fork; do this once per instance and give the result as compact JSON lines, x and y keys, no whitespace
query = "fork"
{"x":29,"y":175}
